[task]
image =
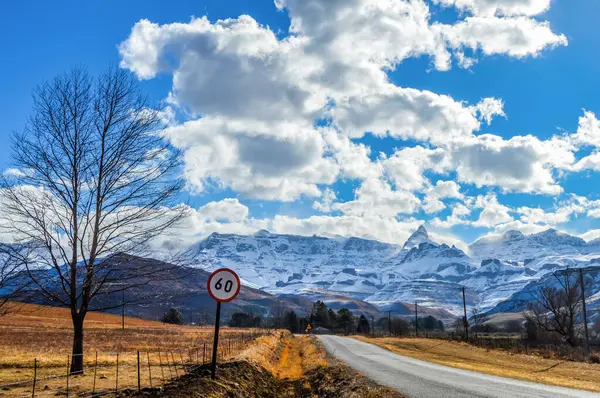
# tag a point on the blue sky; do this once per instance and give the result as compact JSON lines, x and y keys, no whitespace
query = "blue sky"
{"x":540,"y":66}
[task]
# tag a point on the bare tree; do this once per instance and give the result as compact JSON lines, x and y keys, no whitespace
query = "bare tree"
{"x":555,"y":309}
{"x":477,"y":319}
{"x":96,"y":178}
{"x":278,"y":311}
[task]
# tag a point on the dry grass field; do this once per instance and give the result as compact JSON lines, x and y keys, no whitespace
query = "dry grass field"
{"x":495,"y":362}
{"x":42,"y":333}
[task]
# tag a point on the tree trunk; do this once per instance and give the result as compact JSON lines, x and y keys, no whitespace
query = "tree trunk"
{"x":77,"y":354}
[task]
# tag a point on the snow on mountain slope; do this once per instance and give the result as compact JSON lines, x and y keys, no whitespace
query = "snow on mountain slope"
{"x":428,"y":259}
{"x":289,"y":263}
{"x":382,"y":274}
{"x":427,"y":293}
{"x":419,"y":236}
{"x":520,"y":300}
{"x":497,"y":280}
{"x":514,"y":246}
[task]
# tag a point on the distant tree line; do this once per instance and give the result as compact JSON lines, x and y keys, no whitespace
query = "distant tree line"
{"x":342,"y":321}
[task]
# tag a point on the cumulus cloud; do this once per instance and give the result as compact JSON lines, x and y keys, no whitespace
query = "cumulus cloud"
{"x":590,"y":235}
{"x":487,"y":108}
{"x":376,"y":197}
{"x":588,"y":131}
{"x":278,"y":118}
{"x":328,"y":199}
{"x":499,"y":7}
{"x":518,"y":225}
{"x":493,"y":212}
{"x":251,"y":158}
{"x":407,"y":165}
{"x":516,"y":36}
{"x":228,"y":210}
{"x":405,"y":113}
{"x":522,"y":163}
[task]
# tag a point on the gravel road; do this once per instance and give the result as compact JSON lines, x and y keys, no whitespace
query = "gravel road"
{"x":417,"y":378}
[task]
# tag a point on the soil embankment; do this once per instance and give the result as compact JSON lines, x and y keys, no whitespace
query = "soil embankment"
{"x":281,"y":366}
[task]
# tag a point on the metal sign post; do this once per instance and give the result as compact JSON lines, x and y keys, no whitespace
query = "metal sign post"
{"x":223,"y":286}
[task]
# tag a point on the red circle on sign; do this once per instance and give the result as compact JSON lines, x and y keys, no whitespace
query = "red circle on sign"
{"x":239,"y":286}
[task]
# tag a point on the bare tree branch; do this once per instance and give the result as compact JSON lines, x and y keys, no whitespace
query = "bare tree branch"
{"x":98,"y":179}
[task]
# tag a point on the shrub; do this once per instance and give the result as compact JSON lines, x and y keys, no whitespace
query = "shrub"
{"x":173,"y":316}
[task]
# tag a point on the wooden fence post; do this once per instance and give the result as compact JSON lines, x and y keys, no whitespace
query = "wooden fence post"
{"x":149,"y":369}
{"x":68,"y":372}
{"x":138,"y":373}
{"x":162,"y":371}
{"x":95,"y":369}
{"x":34,"y":377}
{"x":169,"y":366}
{"x":117,"y":378}
{"x":204,"y":354}
{"x":174,"y":364}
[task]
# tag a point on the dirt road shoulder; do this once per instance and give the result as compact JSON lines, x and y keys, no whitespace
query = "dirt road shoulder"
{"x":562,"y":373}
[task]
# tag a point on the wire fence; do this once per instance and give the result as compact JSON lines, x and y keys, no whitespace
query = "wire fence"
{"x":111,"y":373}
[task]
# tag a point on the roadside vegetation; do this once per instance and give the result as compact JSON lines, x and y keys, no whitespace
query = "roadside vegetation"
{"x":461,"y":355}
{"x":280,"y":365}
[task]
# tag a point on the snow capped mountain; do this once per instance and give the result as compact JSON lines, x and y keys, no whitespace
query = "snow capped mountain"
{"x":514,"y":246}
{"x":384,"y":275}
{"x":419,"y":236}
{"x":520,"y":300}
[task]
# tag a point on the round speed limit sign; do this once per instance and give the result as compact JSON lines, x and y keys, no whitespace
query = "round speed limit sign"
{"x":224,"y":285}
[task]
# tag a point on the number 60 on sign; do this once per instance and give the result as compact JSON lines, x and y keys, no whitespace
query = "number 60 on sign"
{"x":224,"y":285}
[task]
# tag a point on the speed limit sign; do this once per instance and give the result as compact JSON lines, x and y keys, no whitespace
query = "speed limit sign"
{"x":224,"y":285}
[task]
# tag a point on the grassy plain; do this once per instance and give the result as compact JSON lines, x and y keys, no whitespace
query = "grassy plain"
{"x":495,"y":362}
{"x":43,"y":333}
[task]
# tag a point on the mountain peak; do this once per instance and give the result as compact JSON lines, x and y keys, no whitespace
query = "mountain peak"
{"x":262,"y":233}
{"x":421,"y":231}
{"x":513,"y":235}
{"x":419,"y":236}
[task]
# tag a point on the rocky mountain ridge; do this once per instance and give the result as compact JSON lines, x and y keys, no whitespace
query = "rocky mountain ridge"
{"x":383,"y":274}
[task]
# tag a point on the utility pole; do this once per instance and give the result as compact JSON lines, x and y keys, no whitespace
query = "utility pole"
{"x":390,"y":322}
{"x":465,"y":309}
{"x":372,"y":325}
{"x":416,"y":320}
{"x":585,"y":321}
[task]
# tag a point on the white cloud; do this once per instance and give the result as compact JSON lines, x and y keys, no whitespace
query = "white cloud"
{"x":259,"y":94}
{"x":326,"y":202}
{"x":590,"y":235}
{"x":352,"y":158}
{"x":263,"y":161}
{"x":516,"y":36}
{"x":405,"y":113}
{"x":522,"y":163}
{"x":539,"y":216}
{"x":377,"y":198}
{"x":230,"y":210}
{"x":12,"y":172}
{"x":520,"y":226}
{"x":446,"y":189}
{"x":457,"y":217}
{"x":487,"y":108}
{"x":432,"y":205}
{"x":499,"y":7}
{"x":441,"y":190}
{"x":588,"y":131}
{"x":407,"y":165}
{"x":254,"y":99}
{"x":493,"y":212}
